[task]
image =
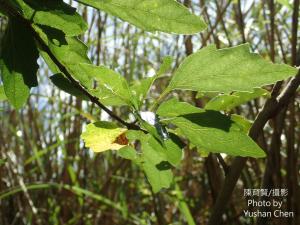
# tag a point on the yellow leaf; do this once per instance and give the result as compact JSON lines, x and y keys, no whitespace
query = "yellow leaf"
{"x":102,"y":136}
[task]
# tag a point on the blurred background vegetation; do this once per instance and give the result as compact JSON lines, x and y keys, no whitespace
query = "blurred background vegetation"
{"x":47,"y":176}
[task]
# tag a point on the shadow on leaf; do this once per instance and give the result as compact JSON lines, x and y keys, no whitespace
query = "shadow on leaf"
{"x":210,"y":118}
{"x":164,"y":165}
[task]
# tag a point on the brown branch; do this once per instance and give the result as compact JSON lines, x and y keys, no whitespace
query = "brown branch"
{"x":295,"y":31}
{"x":218,"y":19}
{"x":270,"y":109}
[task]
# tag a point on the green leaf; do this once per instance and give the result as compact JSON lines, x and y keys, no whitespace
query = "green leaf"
{"x":133,"y":135}
{"x":173,"y":152}
{"x":155,"y":158}
{"x":102,"y":136}
{"x":211,"y":130}
{"x":153,"y":130}
{"x":18,"y":74}
{"x":64,"y":84}
{"x":67,"y":50}
{"x":157,"y":177}
{"x":152,"y":150}
{"x":173,"y":108}
{"x":217,"y":133}
{"x":152,"y":15}
{"x":170,"y":151}
{"x":2,"y":94}
{"x":242,"y":122}
{"x":55,"y":14}
{"x":141,"y":88}
{"x":226,"y":70}
{"x":128,"y":152}
{"x":112,"y":88}
{"x":165,"y":66}
{"x":155,"y":164}
{"x":227,"y":102}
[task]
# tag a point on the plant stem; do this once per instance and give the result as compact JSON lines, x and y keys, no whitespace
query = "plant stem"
{"x":183,"y":206}
{"x":159,"y":99}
